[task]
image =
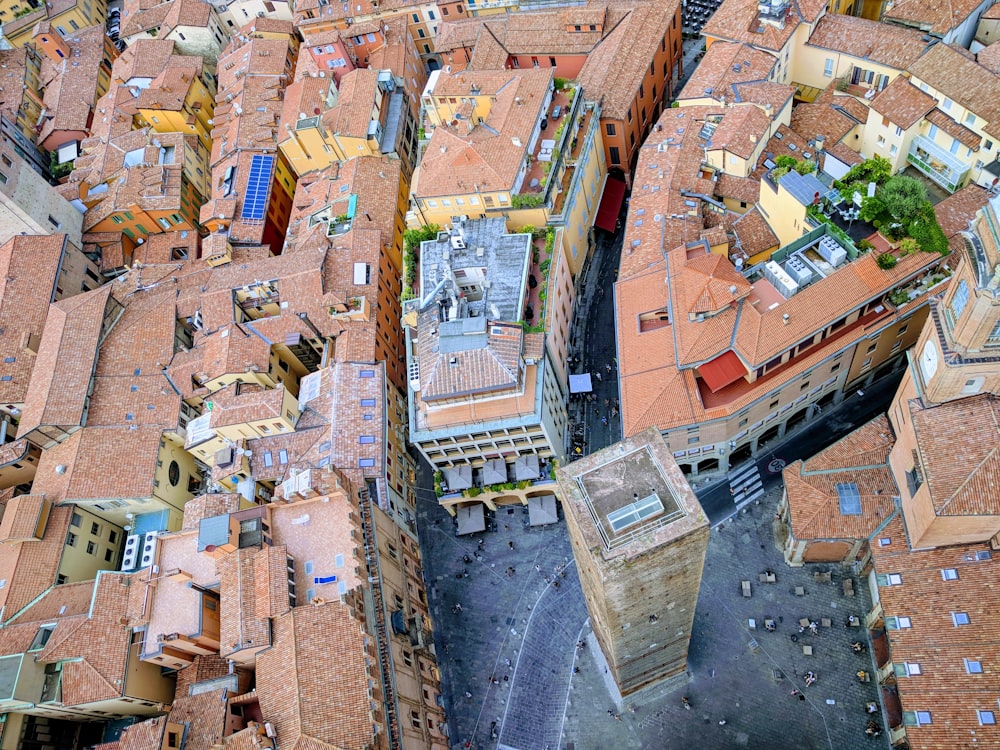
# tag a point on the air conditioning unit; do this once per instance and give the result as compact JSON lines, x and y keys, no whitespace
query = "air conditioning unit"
{"x":148,"y":550}
{"x":131,"y":556}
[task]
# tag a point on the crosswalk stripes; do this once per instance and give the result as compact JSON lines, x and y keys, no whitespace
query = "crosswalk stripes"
{"x":745,"y":484}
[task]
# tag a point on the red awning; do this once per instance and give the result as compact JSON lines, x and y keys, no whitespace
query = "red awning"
{"x":611,"y":204}
{"x":722,"y":371}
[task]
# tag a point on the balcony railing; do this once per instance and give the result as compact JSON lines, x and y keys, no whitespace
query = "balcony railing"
{"x":944,"y":168}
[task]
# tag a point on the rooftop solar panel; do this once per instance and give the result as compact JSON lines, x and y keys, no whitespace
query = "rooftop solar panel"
{"x":258,"y":186}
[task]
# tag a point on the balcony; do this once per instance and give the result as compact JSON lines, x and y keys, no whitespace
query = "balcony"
{"x":548,"y":155}
{"x":354,"y":309}
{"x":939,"y":165}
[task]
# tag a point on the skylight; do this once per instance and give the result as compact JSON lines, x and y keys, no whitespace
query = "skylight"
{"x":850,"y":498}
{"x":634,"y":513}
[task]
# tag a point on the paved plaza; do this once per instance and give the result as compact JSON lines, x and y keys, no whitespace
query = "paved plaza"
{"x":556,"y":695}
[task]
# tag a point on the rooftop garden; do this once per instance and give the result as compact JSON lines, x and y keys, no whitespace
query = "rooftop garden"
{"x":541,"y":261}
{"x":411,"y":244}
{"x":899,"y":209}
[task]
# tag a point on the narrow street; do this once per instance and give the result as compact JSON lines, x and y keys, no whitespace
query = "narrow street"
{"x":594,"y":345}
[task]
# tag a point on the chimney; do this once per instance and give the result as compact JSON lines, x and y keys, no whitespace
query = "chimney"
{"x":784,"y":319}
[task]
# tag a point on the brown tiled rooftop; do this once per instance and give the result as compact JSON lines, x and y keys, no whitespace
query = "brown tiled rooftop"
{"x":859,"y":458}
{"x":740,"y":130}
{"x":754,"y":234}
{"x":24,"y":518}
{"x":892,"y":46}
{"x":903,"y":103}
{"x":967,"y":137}
{"x":957,"y":211}
{"x":96,"y":647}
{"x":29,"y":267}
{"x":725,"y":64}
{"x":144,"y":58}
{"x":968,"y":428}
{"x":931,"y":16}
{"x":353,"y":112}
{"x":66,"y":359}
{"x":989,"y":57}
{"x":70,"y":86}
{"x":948,"y":70}
{"x":328,"y":704}
{"x":738,"y":21}
{"x":457,"y":162}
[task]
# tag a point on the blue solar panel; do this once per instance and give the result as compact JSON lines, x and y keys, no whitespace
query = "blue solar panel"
{"x":258,"y":186}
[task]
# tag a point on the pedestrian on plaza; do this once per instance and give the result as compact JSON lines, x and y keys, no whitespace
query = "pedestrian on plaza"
{"x":538,"y":568}
{"x":576,"y":670}
{"x":604,"y":421}
{"x":510,"y":544}
{"x":598,"y":376}
{"x":608,"y":367}
{"x":468,"y":694}
{"x":607,"y":401}
{"x":507,"y":662}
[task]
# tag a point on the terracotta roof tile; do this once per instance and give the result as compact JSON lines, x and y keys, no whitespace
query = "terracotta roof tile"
{"x":492,"y":154}
{"x":30,"y":569}
{"x":738,"y":188}
{"x":945,"y":687}
{"x":892,"y":46}
{"x":903,"y":103}
{"x":738,"y":21}
{"x":96,"y":649}
{"x":970,"y":428}
{"x":328,"y":705}
{"x":70,"y":86}
{"x":202,"y":714}
{"x":352,"y":113}
{"x":187,"y":13}
{"x":618,"y":63}
{"x":16,"y":83}
{"x":29,"y":268}
{"x":959,"y":132}
{"x":658,"y":364}
{"x":849,"y":156}
{"x":724,"y":65}
{"x":937,"y":18}
{"x":956,"y":212}
{"x":66,"y":359}
{"x":860,"y":458}
{"x":946,"y":69}
{"x":144,"y":58}
{"x":58,"y":602}
{"x":24,"y":518}
{"x":754,"y":234}
{"x":989,"y":57}
{"x":740,"y":130}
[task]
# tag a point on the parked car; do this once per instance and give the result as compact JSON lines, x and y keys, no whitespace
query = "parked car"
{"x":557,"y":112}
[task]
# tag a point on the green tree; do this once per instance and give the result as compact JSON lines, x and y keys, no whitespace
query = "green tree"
{"x":904,"y":198}
{"x":787,"y":162}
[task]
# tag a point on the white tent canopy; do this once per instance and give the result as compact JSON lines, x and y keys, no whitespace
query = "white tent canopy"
{"x":526,"y":467}
{"x":458,"y":478}
{"x":495,"y":471}
{"x":542,"y":510}
{"x":580,"y":383}
{"x":471,"y":519}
